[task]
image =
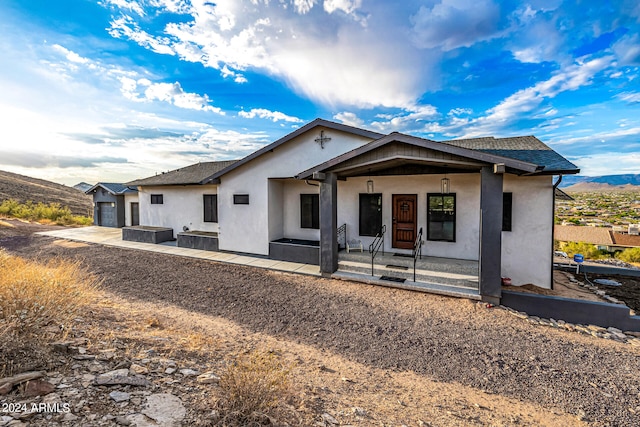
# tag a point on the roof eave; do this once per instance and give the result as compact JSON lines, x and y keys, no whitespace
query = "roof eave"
{"x":513,"y":164}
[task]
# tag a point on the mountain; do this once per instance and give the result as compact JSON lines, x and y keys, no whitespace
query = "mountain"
{"x":23,"y":188}
{"x":614,"y":180}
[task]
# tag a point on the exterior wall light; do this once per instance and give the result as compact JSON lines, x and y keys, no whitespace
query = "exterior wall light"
{"x":445,"y":185}
{"x":370,"y":186}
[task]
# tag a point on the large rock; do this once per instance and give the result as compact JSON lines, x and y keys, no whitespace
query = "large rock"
{"x":162,"y":410}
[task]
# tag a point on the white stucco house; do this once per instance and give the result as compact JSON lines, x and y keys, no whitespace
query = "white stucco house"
{"x":486,"y":200}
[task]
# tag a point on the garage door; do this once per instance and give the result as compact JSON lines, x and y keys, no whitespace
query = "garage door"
{"x":107,"y":214}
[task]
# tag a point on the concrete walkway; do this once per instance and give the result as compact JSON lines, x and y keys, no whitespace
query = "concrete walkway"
{"x":113,"y":237}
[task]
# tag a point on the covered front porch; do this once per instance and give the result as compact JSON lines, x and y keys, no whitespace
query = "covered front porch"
{"x":411,"y":200}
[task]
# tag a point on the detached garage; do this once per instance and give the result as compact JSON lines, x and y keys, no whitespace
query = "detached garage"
{"x":114,"y":205}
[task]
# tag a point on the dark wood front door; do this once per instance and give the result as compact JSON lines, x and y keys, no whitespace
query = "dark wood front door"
{"x":404,"y":220}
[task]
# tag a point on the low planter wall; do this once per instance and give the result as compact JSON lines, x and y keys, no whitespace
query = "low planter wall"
{"x":295,"y":250}
{"x":573,"y":310}
{"x":206,"y":241}
{"x":147,"y":234}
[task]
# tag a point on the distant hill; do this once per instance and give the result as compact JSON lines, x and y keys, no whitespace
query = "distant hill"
{"x":596,"y":187}
{"x":615,"y":181}
{"x":24,"y":188}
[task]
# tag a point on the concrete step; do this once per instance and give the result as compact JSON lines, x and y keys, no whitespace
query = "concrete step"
{"x":422,"y":275}
{"x":434,"y":288}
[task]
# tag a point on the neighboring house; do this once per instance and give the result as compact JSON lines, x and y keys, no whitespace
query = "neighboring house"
{"x":485,"y":199}
{"x":603,"y":238}
{"x":114,"y":205}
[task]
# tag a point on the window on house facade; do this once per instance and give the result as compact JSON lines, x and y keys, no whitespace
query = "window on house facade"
{"x":441,"y":217}
{"x":210,"y":207}
{"x":157,"y":199}
{"x":240,"y":199}
{"x":507,"y":209}
{"x":309,"y":211}
{"x":370,"y":214}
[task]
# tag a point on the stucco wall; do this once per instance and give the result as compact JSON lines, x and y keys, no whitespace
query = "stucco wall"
{"x":247,"y":228}
{"x":291,"y":215}
{"x":128,"y":199}
{"x":182,"y":206}
{"x":465,"y":186}
{"x":526,"y":250}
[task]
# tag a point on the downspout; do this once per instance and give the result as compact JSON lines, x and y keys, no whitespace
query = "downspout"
{"x":553,"y":224}
{"x":313,"y":185}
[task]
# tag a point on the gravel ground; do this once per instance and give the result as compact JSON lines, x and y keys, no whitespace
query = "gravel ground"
{"x":447,"y":339}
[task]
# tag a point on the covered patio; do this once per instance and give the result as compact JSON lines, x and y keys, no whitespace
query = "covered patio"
{"x":418,"y":166}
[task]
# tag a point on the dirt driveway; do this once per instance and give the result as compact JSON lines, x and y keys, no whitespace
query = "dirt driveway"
{"x":433,"y":338}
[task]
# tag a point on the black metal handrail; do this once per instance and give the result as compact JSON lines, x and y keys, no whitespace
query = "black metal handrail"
{"x":341,"y":236}
{"x":377,"y":243}
{"x":417,"y":251}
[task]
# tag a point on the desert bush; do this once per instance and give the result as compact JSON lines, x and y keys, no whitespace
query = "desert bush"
{"x":629,"y":255}
{"x":253,"y":387}
{"x":52,"y":212}
{"x":34,"y":295}
{"x":587,"y":249}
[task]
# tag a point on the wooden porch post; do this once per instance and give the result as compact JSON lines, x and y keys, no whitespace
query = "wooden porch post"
{"x":328,"y":224}
{"x":490,"y":279}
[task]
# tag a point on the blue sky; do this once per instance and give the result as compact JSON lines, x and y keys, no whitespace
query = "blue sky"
{"x":113,"y":90}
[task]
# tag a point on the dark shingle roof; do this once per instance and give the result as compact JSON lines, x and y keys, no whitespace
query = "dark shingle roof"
{"x":188,"y":175}
{"x":113,"y":188}
{"x":526,"y":148}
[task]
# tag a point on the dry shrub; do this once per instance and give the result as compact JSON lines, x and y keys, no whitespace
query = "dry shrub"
{"x":254,"y":386}
{"x":34,"y":296}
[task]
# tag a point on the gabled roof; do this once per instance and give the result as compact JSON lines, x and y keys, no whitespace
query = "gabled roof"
{"x":188,"y":175}
{"x":526,"y":148}
{"x":317,"y":122}
{"x":114,"y":189}
{"x":450,"y":149}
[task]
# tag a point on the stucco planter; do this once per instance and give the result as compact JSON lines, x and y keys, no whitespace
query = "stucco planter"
{"x":295,"y":250}
{"x":203,"y":240}
{"x":147,"y":234}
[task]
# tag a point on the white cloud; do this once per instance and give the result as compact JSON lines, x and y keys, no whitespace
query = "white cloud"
{"x":459,"y":111}
{"x":627,"y":49}
{"x":173,"y":6}
{"x":171,"y":93}
{"x":411,"y":119}
{"x":126,"y":27}
{"x":274,"y":116}
{"x":346,"y":6}
{"x":303,"y":6}
{"x":331,"y":60}
{"x":349,"y":118}
{"x":71,"y":56}
{"x":526,"y":101}
{"x":607,"y":163}
{"x":450,"y":24}
{"x":630,"y":97}
{"x":132,"y":6}
{"x":601,"y":136}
